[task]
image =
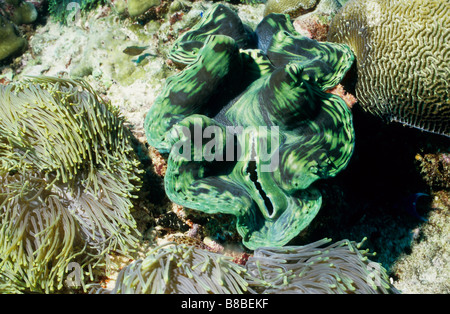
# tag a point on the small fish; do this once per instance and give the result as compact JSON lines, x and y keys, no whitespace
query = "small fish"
{"x":142,"y":57}
{"x":135,"y":50}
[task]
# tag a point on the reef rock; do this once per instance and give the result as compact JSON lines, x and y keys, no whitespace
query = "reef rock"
{"x":134,"y":7}
{"x":10,"y":40}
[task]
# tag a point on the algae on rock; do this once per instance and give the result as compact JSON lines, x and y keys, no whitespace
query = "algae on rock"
{"x":11,"y":42}
{"x":402,"y":52}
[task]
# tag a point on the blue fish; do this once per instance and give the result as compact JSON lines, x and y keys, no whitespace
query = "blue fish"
{"x":142,"y":57}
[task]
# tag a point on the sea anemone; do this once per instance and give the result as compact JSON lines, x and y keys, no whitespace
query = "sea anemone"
{"x":180,"y":269}
{"x":170,"y":268}
{"x":338,"y":268}
{"x":402,"y":59}
{"x":67,"y":177}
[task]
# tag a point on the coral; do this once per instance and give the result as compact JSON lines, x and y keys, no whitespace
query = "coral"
{"x":68,"y":174}
{"x":180,"y":269}
{"x":11,"y":42}
{"x":24,"y":13}
{"x":100,"y":52}
{"x":119,"y":5}
{"x":435,"y":169}
{"x":280,"y":86}
{"x":252,"y":1}
{"x":339,"y":90}
{"x":312,"y":27}
{"x":402,"y":52}
{"x":137,"y":7}
{"x":294,"y":7}
{"x":20,"y":11}
{"x":338,"y":268}
{"x":142,"y":10}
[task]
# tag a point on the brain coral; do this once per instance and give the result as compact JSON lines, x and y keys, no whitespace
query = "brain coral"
{"x":10,"y":41}
{"x":403,"y":50}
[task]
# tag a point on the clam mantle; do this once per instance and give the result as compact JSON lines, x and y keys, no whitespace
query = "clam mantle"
{"x":269,"y":85}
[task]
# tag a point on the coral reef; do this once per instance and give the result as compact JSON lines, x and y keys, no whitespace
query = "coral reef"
{"x":338,"y":268}
{"x":180,"y":269}
{"x":14,"y":13}
{"x":312,"y":27}
{"x":68,"y":174}
{"x":134,"y":8}
{"x":339,"y":90}
{"x":11,"y":42}
{"x":285,"y":81}
{"x":137,"y":7}
{"x":402,"y":52}
{"x":389,"y":163}
{"x":19,"y":11}
{"x":293,"y":7}
{"x":435,"y":169}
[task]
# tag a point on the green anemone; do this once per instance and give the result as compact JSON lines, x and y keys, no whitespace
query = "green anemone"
{"x":317,"y":268}
{"x":180,"y":269}
{"x":67,"y":177}
{"x":402,"y":52}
